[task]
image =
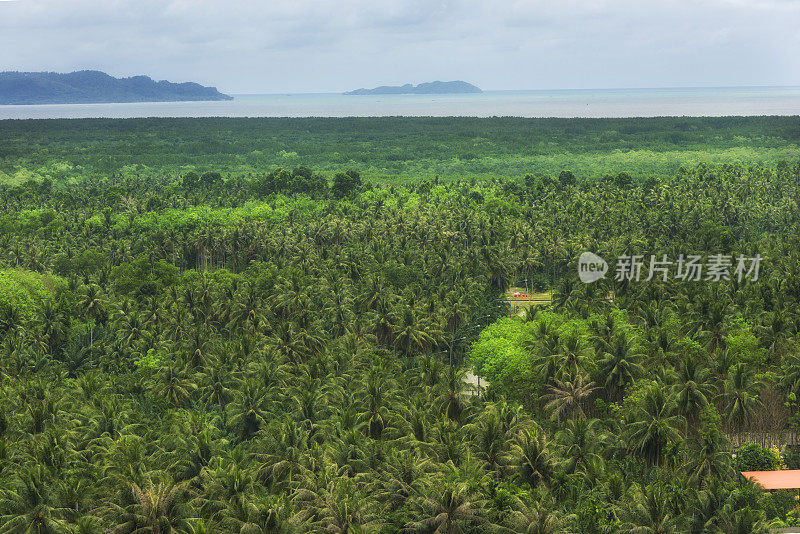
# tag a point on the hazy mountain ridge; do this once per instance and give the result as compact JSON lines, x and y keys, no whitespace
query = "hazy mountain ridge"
{"x":428,"y":88}
{"x":91,"y":86}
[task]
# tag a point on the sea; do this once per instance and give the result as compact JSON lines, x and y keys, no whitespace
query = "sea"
{"x":590,"y":103}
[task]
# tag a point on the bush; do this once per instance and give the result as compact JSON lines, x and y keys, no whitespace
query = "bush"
{"x":753,"y":457}
{"x":778,"y":503}
{"x":792,"y":457}
{"x":140,"y":276}
{"x":345,"y":183}
{"x":21,"y":292}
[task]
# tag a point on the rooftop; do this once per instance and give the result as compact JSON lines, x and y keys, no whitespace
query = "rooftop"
{"x":786,"y":479}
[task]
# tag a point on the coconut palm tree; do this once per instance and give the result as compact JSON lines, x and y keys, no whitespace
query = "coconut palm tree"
{"x":540,"y":517}
{"x":649,"y":513}
{"x":620,"y":365}
{"x":30,"y":504}
{"x":157,"y":508}
{"x":173,"y":385}
{"x":412,"y":333}
{"x":448,"y":509}
{"x":566,"y":399}
{"x":286,"y":445}
{"x":247,"y":412}
{"x":653,"y":425}
{"x":93,"y":305}
{"x":531,"y":458}
{"x":739,"y":397}
{"x":709,"y":458}
{"x":338,"y":507}
{"x":692,"y":390}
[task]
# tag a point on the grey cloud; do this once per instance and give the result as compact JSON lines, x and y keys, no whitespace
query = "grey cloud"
{"x":322,"y":45}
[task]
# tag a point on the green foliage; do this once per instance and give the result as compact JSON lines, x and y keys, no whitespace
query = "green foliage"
{"x":498,"y":354}
{"x":566,"y":178}
{"x":301,"y":180}
{"x":744,"y":345}
{"x":87,"y":262}
{"x":391,"y":148}
{"x":401,"y":275}
{"x":753,"y":457}
{"x":710,"y":420}
{"x":236,"y":348}
{"x":141,"y":276}
{"x":22,"y":292}
{"x":151,"y":361}
{"x":508,"y":352}
{"x":344,"y":183}
{"x":778,"y":503}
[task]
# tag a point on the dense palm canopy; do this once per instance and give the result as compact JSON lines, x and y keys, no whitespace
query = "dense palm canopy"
{"x":178,"y":356}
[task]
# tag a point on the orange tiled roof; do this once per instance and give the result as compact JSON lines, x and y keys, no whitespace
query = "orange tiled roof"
{"x":786,"y":479}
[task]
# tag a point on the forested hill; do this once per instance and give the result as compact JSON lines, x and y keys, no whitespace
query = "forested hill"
{"x":428,"y":88}
{"x":91,"y":86}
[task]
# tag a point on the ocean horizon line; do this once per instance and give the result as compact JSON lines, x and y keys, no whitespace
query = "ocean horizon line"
{"x":593,"y":89}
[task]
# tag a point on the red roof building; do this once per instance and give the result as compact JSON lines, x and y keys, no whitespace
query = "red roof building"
{"x":772,"y":480}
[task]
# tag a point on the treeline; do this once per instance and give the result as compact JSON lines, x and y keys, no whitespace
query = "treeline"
{"x":389,"y":149}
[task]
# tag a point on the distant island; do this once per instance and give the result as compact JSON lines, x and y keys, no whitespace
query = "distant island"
{"x":94,"y":87}
{"x":430,"y":88}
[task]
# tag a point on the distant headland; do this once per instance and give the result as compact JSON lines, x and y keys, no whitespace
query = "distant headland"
{"x":430,"y":88}
{"x":95,"y":87}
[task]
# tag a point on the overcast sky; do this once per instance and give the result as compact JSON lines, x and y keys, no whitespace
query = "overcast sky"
{"x":276,"y":46}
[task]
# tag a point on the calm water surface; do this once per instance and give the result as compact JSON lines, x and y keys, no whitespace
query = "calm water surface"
{"x":563,"y":103}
